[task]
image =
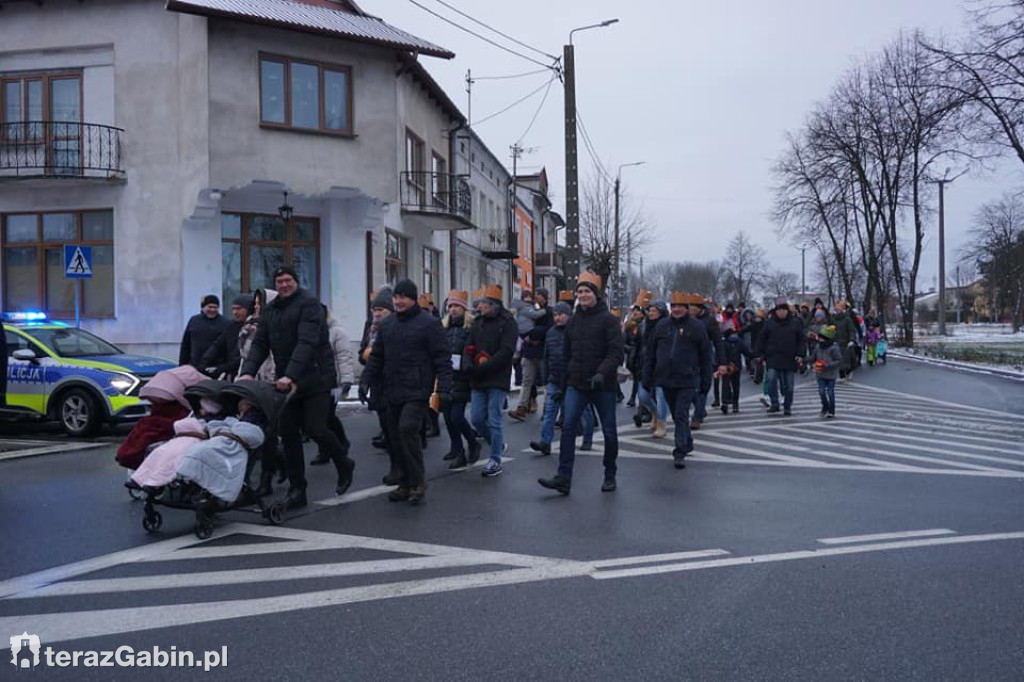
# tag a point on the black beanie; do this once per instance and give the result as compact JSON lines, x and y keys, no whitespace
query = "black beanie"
{"x":243,"y":300}
{"x":406,"y":288}
{"x":592,"y":287}
{"x":286,"y":270}
{"x":210,"y":299}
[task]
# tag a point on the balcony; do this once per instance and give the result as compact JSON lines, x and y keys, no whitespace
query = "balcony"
{"x":499,"y":244}
{"x":437,"y":201}
{"x":548,"y":264}
{"x":60,"y":149}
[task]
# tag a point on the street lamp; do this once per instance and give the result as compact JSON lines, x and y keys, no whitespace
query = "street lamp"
{"x":942,"y":247}
{"x":616,"y":263}
{"x":572,"y":191}
{"x":285,"y":210}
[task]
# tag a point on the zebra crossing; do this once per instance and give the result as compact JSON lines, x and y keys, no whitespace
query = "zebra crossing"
{"x":875,"y":430}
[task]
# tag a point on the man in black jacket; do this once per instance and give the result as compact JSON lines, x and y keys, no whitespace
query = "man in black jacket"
{"x":201,"y":331}
{"x":593,"y":353}
{"x":412,"y":356}
{"x":222,"y":358}
{"x":488,"y":361}
{"x":781,"y":344}
{"x":293,"y":330}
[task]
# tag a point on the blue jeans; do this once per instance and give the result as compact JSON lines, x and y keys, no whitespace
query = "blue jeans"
{"x":700,"y":406}
{"x":575,"y":403}
{"x":486,"y":415}
{"x":679,"y":401}
{"x":773,"y":377}
{"x":551,"y":407}
{"x":656,"y":404}
{"x":827,"y":391}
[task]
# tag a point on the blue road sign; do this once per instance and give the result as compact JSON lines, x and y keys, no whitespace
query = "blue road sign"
{"x":77,"y":261}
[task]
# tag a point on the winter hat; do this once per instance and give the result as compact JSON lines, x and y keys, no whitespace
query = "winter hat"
{"x":563,"y":307}
{"x":730,"y":306}
{"x":209,"y":299}
{"x":542,"y":292}
{"x":210,"y":406}
{"x":286,"y":270}
{"x":243,"y":300}
{"x":591,"y":281}
{"x":781,"y":302}
{"x":383,"y":300}
{"x":457,"y":297}
{"x":828,"y":331}
{"x":406,"y":288}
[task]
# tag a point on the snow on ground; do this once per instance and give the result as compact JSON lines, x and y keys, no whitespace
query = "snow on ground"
{"x":970,"y":333}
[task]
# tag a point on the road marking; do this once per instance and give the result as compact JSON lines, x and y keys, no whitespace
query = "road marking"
{"x":886,"y":536}
{"x":936,"y":401}
{"x":657,"y":558}
{"x":802,"y":554}
{"x":46,"y":450}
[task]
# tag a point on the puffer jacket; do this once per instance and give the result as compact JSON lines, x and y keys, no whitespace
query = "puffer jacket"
{"x":409,"y":354}
{"x":736,"y":349}
{"x":593,"y":345}
{"x":781,"y":342}
{"x":457,"y":333}
{"x":833,"y":357}
{"x":200,"y":333}
{"x":846,"y":328}
{"x":680,"y":355}
{"x":294,"y":332}
{"x":494,"y":336}
{"x":344,"y":357}
{"x":533,"y":342}
{"x":554,"y":356}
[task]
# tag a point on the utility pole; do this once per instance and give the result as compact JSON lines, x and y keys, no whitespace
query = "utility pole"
{"x":516,"y":151}
{"x":615,"y":254}
{"x":942,"y":256}
{"x":469,"y":97}
{"x":803,"y":272}
{"x":629,"y":263}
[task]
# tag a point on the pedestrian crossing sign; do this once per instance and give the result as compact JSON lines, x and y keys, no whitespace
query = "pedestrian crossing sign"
{"x":77,"y":261}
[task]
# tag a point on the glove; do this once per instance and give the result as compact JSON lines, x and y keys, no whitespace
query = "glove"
{"x":364,"y":391}
{"x":597,"y":382}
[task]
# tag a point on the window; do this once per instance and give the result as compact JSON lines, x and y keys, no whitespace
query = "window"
{"x":431,"y":272}
{"x":305,"y":95}
{"x":396,"y":257}
{"x":47,"y":108}
{"x":253,"y":245}
{"x":33,"y":258}
{"x":439,"y":180}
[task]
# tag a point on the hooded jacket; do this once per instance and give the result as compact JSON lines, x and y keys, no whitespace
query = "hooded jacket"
{"x":680,"y":355}
{"x":495,"y":336}
{"x":593,"y":345}
{"x":409,"y":354}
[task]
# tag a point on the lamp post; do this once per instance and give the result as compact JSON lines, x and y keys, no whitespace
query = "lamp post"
{"x":572,"y":192}
{"x":942,"y":249}
{"x":616,"y":260}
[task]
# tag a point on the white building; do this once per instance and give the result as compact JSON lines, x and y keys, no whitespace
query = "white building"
{"x":166,"y":138}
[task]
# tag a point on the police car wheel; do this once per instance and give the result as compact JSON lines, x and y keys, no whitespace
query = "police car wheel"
{"x":79,"y":413}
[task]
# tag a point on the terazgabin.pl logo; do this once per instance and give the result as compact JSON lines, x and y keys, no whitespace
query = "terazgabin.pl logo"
{"x":25,"y":651}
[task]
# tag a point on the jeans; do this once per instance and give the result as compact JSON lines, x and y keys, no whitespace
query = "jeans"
{"x":575,"y":403}
{"x":531,"y":373}
{"x":657,"y":404}
{"x":458,"y":427}
{"x":679,"y":401}
{"x":486,"y":416}
{"x":308,"y":414}
{"x":827,"y":392}
{"x":773,"y":377}
{"x":404,"y":423}
{"x":551,"y":407}
{"x":700,"y":406}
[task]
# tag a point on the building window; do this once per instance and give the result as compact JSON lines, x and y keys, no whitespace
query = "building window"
{"x":33,"y":262}
{"x":253,"y":246}
{"x":432,"y":272}
{"x":396,"y":257}
{"x":414,"y":167}
{"x":305,"y":95}
{"x":439,"y":180}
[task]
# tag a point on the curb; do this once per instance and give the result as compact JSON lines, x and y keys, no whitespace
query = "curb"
{"x":953,"y":364}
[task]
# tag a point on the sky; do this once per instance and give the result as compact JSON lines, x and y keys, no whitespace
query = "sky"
{"x":702,"y":92}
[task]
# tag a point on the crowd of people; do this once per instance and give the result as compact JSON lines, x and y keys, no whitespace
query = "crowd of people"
{"x":420,"y":364}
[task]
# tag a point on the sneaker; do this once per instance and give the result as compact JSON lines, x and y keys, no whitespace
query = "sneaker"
{"x":562,"y":485}
{"x":679,"y":462}
{"x":773,"y":409}
{"x":586,"y":447}
{"x":764,"y":401}
{"x":491,"y":469}
{"x":458,"y":463}
{"x":608,"y":486}
{"x":824,"y":412}
{"x":542,"y":448}
{"x":736,"y":408}
{"x":716,"y":404}
{"x":831,"y":415}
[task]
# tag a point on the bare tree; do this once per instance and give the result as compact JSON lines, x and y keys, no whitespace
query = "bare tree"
{"x":597,"y":226}
{"x":997,"y":248}
{"x":780,"y":283}
{"x":743,"y":267}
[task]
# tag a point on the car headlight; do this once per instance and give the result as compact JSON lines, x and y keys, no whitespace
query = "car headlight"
{"x":124,"y":383}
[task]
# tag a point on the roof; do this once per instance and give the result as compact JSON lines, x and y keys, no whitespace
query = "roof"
{"x":313,"y":17}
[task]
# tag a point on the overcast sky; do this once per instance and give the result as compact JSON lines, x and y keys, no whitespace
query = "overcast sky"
{"x":703,"y":92}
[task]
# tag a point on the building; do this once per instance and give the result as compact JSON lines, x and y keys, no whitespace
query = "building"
{"x":198,"y":144}
{"x":545,"y":253}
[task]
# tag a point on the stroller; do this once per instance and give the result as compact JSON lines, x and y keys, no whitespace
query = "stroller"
{"x":212,"y":483}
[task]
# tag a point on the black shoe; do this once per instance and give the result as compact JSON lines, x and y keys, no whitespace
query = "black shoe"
{"x":449,"y":455}
{"x":266,"y":484}
{"x":630,"y":403}
{"x":773,"y":409}
{"x":417,"y":494}
{"x":399,"y":495}
{"x":725,"y":409}
{"x":787,"y":412}
{"x":647,"y":417}
{"x":831,"y":415}
{"x":391,"y":478}
{"x":296,"y":499}
{"x":638,"y":420}
{"x":459,"y":462}
{"x":345,"y":476}
{"x":542,"y":448}
{"x":608,"y":486}
{"x":679,"y":462}
{"x":824,"y":412}
{"x":474,"y":451}
{"x":562,"y":485}
{"x":736,"y":408}
{"x":715,"y":404}
{"x":320,"y":459}
{"x":378,"y":442}
{"x":586,"y":447}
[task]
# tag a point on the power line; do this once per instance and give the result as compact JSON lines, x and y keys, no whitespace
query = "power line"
{"x":589,"y":144}
{"x":491,"y":28}
{"x":517,"y":102}
{"x":537,"y":113}
{"x":483,"y":38}
{"x":513,"y":75}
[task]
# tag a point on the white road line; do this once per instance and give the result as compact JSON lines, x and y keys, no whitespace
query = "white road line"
{"x":657,"y":558}
{"x":803,"y":554}
{"x":936,"y":401}
{"x":918,"y":412}
{"x":665,"y":447}
{"x":818,"y":451}
{"x":849,"y":539}
{"x":867,"y":421}
{"x":935,"y":443}
{"x":63,"y":447}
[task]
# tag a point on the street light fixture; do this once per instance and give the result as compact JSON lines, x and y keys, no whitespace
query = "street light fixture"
{"x":572,"y":190}
{"x":285,"y":210}
{"x":616,"y":263}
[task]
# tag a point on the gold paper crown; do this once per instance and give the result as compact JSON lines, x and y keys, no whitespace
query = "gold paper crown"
{"x":373,"y":295}
{"x":643,"y":298}
{"x":426,"y":298}
{"x":458,"y":295}
{"x":489,"y":291}
{"x":589,"y":277}
{"x":566,"y":296}
{"x":684,"y":298}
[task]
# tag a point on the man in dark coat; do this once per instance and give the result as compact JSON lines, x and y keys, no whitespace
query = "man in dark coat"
{"x":846,"y":338}
{"x":679,"y":362}
{"x":200,"y":332}
{"x":293,"y":330}
{"x":702,"y":312}
{"x":781,"y":344}
{"x":593,"y":353}
{"x":223,"y":357}
{"x":411,"y":355}
{"x":488,"y":361}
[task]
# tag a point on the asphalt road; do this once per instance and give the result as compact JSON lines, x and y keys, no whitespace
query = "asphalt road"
{"x":884,"y":545}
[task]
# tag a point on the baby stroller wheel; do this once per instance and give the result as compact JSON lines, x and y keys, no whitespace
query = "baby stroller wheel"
{"x":275,"y":514}
{"x":152,"y":521}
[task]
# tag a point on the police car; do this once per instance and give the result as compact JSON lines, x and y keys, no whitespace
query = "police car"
{"x":66,"y":374}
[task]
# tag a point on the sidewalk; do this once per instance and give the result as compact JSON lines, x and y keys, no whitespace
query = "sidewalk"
{"x":994,"y":370}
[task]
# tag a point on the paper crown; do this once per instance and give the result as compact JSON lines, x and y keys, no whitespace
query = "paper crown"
{"x":589,"y":277}
{"x":460,"y":297}
{"x":426,"y":298}
{"x":566,"y":296}
{"x":684,"y":298}
{"x":617,"y":312}
{"x":488,"y":291}
{"x":373,"y":295}
{"x":643,"y":298}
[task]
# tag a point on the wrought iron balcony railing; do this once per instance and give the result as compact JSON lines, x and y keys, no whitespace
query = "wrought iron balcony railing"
{"x":437,"y":193}
{"x":60,"y":149}
{"x":547,"y":260}
{"x":499,"y":244}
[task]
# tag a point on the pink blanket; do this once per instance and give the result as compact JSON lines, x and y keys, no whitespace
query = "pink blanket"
{"x":161,"y":467}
